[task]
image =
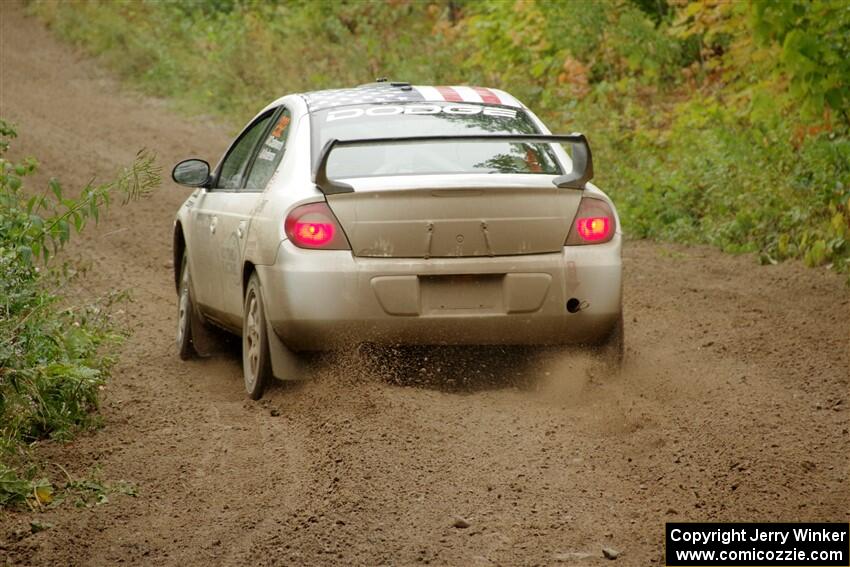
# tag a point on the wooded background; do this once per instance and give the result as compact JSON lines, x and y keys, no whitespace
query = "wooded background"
{"x":712,"y":121}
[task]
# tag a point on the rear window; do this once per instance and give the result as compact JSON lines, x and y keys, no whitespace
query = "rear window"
{"x":429,"y":119}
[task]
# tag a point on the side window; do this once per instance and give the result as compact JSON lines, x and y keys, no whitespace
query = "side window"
{"x":234,"y":165}
{"x":270,"y":153}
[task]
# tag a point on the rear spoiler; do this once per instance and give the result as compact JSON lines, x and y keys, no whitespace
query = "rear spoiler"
{"x":576,"y":179}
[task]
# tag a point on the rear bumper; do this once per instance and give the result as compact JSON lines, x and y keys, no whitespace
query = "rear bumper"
{"x":320,"y":300}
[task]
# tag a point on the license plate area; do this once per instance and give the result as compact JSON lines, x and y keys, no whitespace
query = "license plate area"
{"x":462,"y":294}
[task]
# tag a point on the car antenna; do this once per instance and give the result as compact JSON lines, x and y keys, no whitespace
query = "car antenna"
{"x":403,"y":85}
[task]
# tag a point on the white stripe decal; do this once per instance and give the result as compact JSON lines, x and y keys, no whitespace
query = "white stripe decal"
{"x":506,"y":98}
{"x":429,"y":93}
{"x":467,"y":94}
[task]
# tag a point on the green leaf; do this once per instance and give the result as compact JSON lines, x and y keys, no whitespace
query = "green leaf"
{"x":26,"y":253}
{"x":64,"y":231}
{"x":54,"y":186}
{"x":835,"y":98}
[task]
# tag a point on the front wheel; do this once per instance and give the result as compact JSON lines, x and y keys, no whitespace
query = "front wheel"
{"x":256,"y":362}
{"x":185,"y":313}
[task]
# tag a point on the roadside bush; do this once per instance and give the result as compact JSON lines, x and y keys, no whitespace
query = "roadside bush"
{"x":53,"y":351}
{"x":712,"y":177}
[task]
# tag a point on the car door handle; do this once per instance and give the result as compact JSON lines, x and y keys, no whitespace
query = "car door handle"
{"x":240,"y":230}
{"x":213,"y":223}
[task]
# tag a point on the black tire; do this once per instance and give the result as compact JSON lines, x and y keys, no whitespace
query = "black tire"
{"x":612,"y":349}
{"x":256,"y":361}
{"x":185,"y":313}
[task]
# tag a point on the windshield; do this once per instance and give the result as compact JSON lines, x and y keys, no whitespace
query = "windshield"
{"x":429,"y":119}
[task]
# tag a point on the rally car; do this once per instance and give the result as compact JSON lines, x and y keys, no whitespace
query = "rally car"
{"x":395,"y":214}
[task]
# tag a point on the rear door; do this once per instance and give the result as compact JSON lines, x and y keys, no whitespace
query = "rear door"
{"x":220,"y":236}
{"x":235,"y":234}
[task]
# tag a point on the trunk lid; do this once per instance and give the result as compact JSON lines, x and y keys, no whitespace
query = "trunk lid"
{"x":449,"y":216}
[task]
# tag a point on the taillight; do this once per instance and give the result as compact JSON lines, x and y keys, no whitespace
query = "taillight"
{"x":594,"y":223}
{"x":315,"y":226}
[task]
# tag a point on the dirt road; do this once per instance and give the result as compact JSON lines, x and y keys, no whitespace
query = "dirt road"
{"x":734,"y":404}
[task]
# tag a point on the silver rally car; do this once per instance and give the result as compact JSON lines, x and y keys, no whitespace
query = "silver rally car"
{"x":395,"y":214}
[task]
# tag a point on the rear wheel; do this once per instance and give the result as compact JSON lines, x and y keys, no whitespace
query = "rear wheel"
{"x":185,"y":313}
{"x":256,"y":362}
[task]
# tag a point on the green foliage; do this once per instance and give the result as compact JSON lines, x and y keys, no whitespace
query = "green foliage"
{"x":736,"y":187}
{"x":711,"y":121}
{"x":37,"y":493}
{"x":54,"y":355}
{"x":549,"y":53}
{"x":232,"y":57}
{"x":91,"y":490}
{"x":815,"y":39}
{"x":18,"y":487}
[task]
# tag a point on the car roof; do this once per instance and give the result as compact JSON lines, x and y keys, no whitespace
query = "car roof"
{"x":382,"y":92}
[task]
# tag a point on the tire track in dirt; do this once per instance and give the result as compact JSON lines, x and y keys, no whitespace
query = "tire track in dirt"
{"x":733,"y":405}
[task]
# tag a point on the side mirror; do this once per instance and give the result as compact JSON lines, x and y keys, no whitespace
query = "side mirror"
{"x":192,"y":173}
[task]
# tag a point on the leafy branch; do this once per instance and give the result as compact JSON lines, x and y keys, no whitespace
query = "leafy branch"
{"x":53,"y":360}
{"x":44,"y":222}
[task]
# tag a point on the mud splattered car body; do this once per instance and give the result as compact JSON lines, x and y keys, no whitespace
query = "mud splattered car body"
{"x":396,"y":214}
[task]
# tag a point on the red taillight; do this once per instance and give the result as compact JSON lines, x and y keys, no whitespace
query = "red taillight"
{"x":594,"y":228}
{"x":594,"y":223}
{"x":315,"y":233}
{"x":315,"y":226}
